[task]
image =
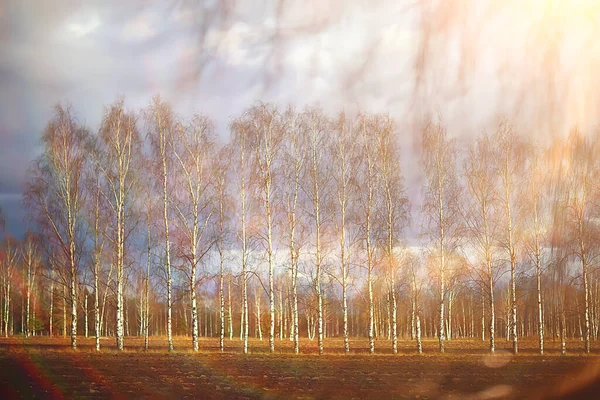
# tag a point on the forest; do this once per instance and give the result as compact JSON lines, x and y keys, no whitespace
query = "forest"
{"x":297,"y":225}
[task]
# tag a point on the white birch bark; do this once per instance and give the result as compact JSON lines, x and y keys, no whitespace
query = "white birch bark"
{"x":51,"y":310}
{"x":161,"y":123}
{"x":194,"y":205}
{"x":293,"y":166}
{"x":266,"y":134}
{"x":344,"y":173}
{"x":316,"y":188}
{"x":230,"y":308}
{"x":54,"y":193}
{"x":120,"y":143}
{"x":240,"y":130}
{"x":508,"y":167}
{"x":440,"y":205}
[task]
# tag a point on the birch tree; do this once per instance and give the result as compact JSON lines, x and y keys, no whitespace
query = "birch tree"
{"x":149,"y":210}
{"x":480,"y":217}
{"x":440,"y":205}
{"x":31,"y":256}
{"x":560,"y":242}
{"x":345,"y":159}
{"x":509,"y":164}
{"x":537,"y":222}
{"x":412,"y":261}
{"x":394,"y":208}
{"x":580,"y":212}
{"x":120,"y":144}
{"x":266,"y":136}
{"x":55,"y":195}
{"x":240,"y":131}
{"x":160,"y":121}
{"x":292,"y":170}
{"x":97,"y":214}
{"x":367,"y":189}
{"x":316,"y":187}
{"x":223,"y":208}
{"x":9,"y":257}
{"x":193,"y":202}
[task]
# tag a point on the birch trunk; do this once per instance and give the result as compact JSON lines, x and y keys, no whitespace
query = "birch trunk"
{"x":230,"y":312}
{"x":513,"y":293}
{"x":318,"y":266}
{"x":295,"y":300}
{"x":451,"y":295}
{"x":241,"y":133}
{"x":440,"y":205}
{"x":538,"y":269}
{"x":258,"y":317}
{"x":58,"y":177}
{"x":7,"y":307}
{"x":369,"y":172}
{"x":418,"y":335}
{"x":147,"y":280}
{"x":343,"y":151}
{"x":316,"y":132}
{"x":167,"y":256}
{"x":64,"y":309}
{"x":85,"y":310}
{"x":96,"y":309}
{"x":413,"y":311}
{"x":51,"y":311}
{"x":281,"y":315}
{"x":416,"y":321}
{"x":163,"y":141}
{"x":221,"y":308}
{"x":584,"y":264}
{"x":27,"y":321}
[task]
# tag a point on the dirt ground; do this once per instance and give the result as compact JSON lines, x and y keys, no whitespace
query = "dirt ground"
{"x":46,"y":368}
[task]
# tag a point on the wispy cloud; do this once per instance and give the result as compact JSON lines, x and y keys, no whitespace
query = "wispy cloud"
{"x":472,"y":61}
{"x":83,"y":26}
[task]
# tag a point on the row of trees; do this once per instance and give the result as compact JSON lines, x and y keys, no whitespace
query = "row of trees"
{"x":152,"y":216}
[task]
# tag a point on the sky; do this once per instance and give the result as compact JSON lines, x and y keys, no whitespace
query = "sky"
{"x":471,"y":63}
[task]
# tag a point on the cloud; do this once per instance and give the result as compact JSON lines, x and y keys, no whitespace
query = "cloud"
{"x":473,"y":61}
{"x":140,"y":27}
{"x":81,"y":27}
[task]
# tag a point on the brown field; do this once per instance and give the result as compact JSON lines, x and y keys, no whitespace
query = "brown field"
{"x":41,"y":367}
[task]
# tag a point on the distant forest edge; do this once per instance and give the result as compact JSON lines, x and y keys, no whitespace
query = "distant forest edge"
{"x":295,"y":229}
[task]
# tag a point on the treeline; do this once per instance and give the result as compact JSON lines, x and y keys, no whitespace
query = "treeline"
{"x":296,"y":227}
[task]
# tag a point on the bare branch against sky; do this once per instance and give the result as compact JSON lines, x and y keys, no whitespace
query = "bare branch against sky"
{"x":472,"y":61}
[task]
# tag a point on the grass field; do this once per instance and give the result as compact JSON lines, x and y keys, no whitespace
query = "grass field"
{"x":41,"y":367}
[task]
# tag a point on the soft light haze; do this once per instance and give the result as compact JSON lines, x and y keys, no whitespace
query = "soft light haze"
{"x":472,"y":62}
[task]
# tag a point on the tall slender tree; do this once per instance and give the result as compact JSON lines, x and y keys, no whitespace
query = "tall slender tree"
{"x":480,"y":219}
{"x":193,"y":200}
{"x":367,"y":188}
{"x":9,"y":258}
{"x":345,"y":159}
{"x":394,"y":209}
{"x":580,"y":213}
{"x":55,"y":195}
{"x":120,"y":144}
{"x":316,"y":186}
{"x":266,"y":136}
{"x":160,"y":121}
{"x":440,"y":205}
{"x":223,"y":207}
{"x":96,"y":210}
{"x":31,"y":256}
{"x":537,"y":222}
{"x":292,"y":170}
{"x":509,"y":163}
{"x":240,"y":130}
